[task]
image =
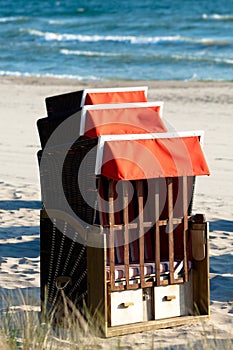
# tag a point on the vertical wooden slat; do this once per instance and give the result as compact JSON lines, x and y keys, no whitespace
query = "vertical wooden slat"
{"x":126,"y":230}
{"x":201,"y":292}
{"x":96,"y":282}
{"x":141,"y":231}
{"x":111,"y":234}
{"x":170,"y":228}
{"x":185,"y":225}
{"x":157,"y":234}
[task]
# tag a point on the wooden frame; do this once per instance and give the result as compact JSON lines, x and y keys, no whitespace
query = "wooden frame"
{"x":200,"y":289}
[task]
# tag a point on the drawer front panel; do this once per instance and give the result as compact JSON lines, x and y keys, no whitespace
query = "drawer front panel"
{"x":169,"y":301}
{"x":126,"y":307}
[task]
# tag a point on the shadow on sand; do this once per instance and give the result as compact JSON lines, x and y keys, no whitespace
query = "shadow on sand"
{"x":221,"y":225}
{"x":19,"y":204}
{"x":221,"y":286}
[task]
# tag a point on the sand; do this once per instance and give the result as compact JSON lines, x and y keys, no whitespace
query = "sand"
{"x":187,"y":106}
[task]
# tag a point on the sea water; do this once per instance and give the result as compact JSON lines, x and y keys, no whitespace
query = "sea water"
{"x":100,"y":40}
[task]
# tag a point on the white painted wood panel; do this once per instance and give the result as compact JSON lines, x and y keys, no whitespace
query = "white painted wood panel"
{"x":173,"y":300}
{"x":126,"y":307}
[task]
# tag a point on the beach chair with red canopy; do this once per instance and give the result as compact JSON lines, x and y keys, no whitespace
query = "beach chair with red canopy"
{"x":126,"y":243}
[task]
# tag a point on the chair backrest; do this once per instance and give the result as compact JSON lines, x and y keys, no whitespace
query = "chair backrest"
{"x":64,"y":105}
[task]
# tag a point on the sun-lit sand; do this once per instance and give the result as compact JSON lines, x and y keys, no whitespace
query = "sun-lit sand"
{"x":187,"y":106}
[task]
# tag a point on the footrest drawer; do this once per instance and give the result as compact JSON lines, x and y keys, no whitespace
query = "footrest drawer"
{"x":173,"y":300}
{"x":126,"y":307}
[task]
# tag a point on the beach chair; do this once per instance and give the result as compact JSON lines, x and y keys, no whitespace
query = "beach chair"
{"x":125,"y":242}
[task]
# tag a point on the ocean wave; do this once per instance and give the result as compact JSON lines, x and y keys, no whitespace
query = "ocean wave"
{"x":95,"y":78}
{"x":12,"y":19}
{"x":218,"y":17}
{"x":50,"y":36}
{"x":50,"y":75}
{"x":223,"y":61}
{"x":13,"y":74}
{"x":203,"y":59}
{"x":147,"y":57}
{"x":52,"y":21}
{"x":89,"y":53}
{"x":80,"y":9}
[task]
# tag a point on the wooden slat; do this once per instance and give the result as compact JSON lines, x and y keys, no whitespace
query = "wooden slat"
{"x":126,"y":230}
{"x":153,"y":325}
{"x":131,"y":226}
{"x":139,"y":187}
{"x":163,"y":222}
{"x":133,"y":286}
{"x":157,"y":234}
{"x":185,"y":226}
{"x":177,"y":221}
{"x":147,"y":224}
{"x":201,"y":281}
{"x":115,"y":288}
{"x":164,"y":282}
{"x":170,"y":228}
{"x":111,"y":234}
{"x":96,"y":282}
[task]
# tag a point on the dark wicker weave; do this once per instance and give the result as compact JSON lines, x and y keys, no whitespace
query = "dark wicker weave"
{"x":46,"y":127}
{"x":68,"y":132}
{"x":62,"y":106}
{"x":74,"y":180}
{"x":61,"y":256}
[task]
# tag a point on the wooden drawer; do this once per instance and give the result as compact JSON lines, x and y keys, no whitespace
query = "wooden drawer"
{"x":126,"y":307}
{"x":173,"y":300}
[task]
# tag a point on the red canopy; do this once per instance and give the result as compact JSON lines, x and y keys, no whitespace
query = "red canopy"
{"x":153,"y":158}
{"x":134,"y":120}
{"x":115,"y":96}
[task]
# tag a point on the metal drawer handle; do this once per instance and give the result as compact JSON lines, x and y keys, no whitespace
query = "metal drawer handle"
{"x":127,"y":304}
{"x":169,"y":297}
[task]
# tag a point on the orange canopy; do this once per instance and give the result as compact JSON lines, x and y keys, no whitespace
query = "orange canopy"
{"x":153,"y":158}
{"x":123,"y":121}
{"x":105,"y":97}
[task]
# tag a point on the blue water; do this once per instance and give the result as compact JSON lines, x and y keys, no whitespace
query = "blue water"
{"x":130,"y":39}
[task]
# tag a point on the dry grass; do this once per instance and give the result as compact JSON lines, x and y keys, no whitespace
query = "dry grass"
{"x":21,"y":327}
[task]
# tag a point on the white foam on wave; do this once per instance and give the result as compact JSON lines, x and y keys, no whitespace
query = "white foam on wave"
{"x":80,"y":9}
{"x":52,"y":21}
{"x":89,"y":53}
{"x":48,"y":75}
{"x":12,"y":19}
{"x":202,"y":59}
{"x":94,"y":38}
{"x":227,"y":61}
{"x":207,"y":41}
{"x":50,"y":36}
{"x":199,"y":58}
{"x":13,"y":74}
{"x":213,"y":42}
{"x":218,"y":17}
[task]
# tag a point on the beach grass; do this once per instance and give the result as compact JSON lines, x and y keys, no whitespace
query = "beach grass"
{"x":23,"y":327}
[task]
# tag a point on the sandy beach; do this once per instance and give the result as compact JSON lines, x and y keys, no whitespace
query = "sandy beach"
{"x":187,"y":106}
